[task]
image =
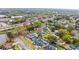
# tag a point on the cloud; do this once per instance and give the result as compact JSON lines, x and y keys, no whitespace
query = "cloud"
{"x":67,"y":4}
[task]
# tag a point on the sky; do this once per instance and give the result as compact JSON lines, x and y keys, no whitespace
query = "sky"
{"x":65,"y":4}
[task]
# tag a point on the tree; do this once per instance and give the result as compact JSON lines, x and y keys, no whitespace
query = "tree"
{"x":76,"y":42}
{"x":11,"y":34}
{"x":67,"y":38}
{"x":57,"y":25}
{"x":64,"y":31}
{"x":37,"y":23}
{"x":49,"y":38}
{"x":29,"y":27}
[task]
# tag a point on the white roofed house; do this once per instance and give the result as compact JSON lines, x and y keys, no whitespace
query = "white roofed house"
{"x":16,"y":16}
{"x":27,"y":22}
{"x":77,"y":25}
{"x":4,"y":19}
{"x":10,"y":21}
{"x":4,"y":22}
{"x":3,"y":16}
{"x":3,"y":25}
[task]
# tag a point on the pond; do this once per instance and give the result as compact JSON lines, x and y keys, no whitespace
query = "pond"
{"x":3,"y":38}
